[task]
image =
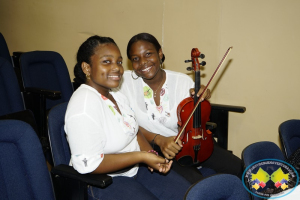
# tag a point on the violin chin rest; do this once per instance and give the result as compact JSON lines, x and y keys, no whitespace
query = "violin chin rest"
{"x":186,"y":161}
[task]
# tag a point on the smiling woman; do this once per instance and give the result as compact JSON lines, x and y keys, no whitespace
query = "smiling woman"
{"x":104,"y":135}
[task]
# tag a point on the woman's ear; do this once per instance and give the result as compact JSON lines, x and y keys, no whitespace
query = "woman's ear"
{"x":85,"y":68}
{"x":160,"y":54}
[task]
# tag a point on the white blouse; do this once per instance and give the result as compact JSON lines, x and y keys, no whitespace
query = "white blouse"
{"x":94,"y":128}
{"x":178,"y":85}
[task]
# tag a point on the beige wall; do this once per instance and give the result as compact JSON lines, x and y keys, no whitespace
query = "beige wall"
{"x":261,"y":72}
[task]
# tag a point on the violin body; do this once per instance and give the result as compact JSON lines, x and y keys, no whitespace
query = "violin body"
{"x":197,"y":142}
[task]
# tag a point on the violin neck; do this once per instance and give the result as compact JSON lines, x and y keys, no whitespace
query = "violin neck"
{"x":197,"y":113}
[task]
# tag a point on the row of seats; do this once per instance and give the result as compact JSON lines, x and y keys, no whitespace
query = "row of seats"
{"x":33,"y":82}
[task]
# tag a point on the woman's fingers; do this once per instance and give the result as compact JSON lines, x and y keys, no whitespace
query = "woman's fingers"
{"x":206,"y":95}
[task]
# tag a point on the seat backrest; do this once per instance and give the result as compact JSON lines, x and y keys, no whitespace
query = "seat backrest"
{"x":289,"y":132}
{"x":24,"y":173}
{"x":4,"y":52}
{"x":59,"y":145}
{"x":46,"y":70}
{"x":219,"y":186}
{"x":11,"y":99}
{"x":260,"y":151}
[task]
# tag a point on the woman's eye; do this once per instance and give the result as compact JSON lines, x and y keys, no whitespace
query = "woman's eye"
{"x":148,"y":54}
{"x":120,"y":62}
{"x":135,"y":59}
{"x":106,"y":61}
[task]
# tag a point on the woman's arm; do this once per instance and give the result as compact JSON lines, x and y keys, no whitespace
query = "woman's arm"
{"x":115,"y":162}
{"x":167,"y":145}
{"x":149,"y":136}
{"x":145,"y":146}
{"x":143,"y":142}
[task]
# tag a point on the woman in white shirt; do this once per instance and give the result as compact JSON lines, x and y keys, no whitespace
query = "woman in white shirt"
{"x":154,"y":95}
{"x":103,"y":132}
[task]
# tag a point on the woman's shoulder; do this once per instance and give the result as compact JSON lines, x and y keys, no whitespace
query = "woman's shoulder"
{"x":174,"y":73}
{"x":85,"y":89}
{"x":84,"y":94}
{"x":84,"y":98}
{"x":178,"y":75}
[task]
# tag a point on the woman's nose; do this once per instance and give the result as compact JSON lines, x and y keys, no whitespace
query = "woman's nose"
{"x":143,"y":62}
{"x":115,"y":67}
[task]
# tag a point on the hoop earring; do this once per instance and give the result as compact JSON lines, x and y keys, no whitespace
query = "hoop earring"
{"x":161,"y":65}
{"x":133,"y":77}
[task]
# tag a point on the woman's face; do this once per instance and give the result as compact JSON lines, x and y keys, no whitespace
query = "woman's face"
{"x":106,"y":68}
{"x":145,"y":59}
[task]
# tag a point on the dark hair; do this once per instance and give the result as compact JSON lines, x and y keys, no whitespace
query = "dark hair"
{"x":145,"y":37}
{"x":85,"y":52}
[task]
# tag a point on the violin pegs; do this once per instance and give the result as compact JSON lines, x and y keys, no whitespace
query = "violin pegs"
{"x":203,"y":63}
{"x":189,"y":68}
{"x":186,"y":61}
{"x":202,"y":56}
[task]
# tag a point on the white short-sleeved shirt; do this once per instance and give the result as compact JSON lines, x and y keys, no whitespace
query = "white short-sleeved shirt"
{"x":93,"y":130}
{"x":178,"y":89}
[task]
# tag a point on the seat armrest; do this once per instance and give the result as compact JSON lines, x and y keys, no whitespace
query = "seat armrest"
{"x":211,"y":125}
{"x":229,"y":108}
{"x":98,"y":180}
{"x":47,"y":93}
{"x":35,"y":100}
{"x":220,"y":115}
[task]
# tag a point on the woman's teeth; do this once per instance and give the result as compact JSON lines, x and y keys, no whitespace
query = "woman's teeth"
{"x":147,"y":69}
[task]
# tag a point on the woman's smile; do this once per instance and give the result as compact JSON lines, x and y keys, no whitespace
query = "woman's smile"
{"x":115,"y":77}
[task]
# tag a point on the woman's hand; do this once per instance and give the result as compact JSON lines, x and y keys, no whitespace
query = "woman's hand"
{"x":206,"y":94}
{"x":167,"y":146}
{"x":156,"y":162}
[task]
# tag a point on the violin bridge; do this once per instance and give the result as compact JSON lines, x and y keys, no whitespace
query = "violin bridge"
{"x":197,"y":137}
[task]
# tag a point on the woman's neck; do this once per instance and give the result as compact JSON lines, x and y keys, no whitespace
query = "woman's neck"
{"x":157,"y":80}
{"x":102,"y":91}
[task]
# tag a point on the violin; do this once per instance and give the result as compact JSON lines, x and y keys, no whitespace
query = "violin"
{"x":192,"y":116}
